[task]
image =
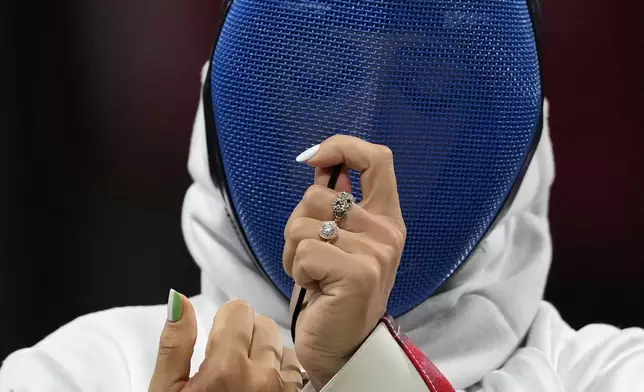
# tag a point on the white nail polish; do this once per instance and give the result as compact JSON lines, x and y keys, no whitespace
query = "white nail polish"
{"x":308,"y":154}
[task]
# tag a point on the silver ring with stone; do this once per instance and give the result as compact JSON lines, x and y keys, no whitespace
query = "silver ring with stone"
{"x":341,"y":205}
{"x":329,"y":230}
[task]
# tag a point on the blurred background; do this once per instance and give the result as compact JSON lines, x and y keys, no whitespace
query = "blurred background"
{"x":98,"y":99}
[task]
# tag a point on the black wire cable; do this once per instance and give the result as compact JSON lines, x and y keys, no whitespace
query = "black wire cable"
{"x":300,"y":299}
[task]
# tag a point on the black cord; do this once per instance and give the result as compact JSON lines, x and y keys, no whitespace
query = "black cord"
{"x":300,"y":299}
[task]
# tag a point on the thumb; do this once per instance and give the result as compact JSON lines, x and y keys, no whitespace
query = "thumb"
{"x":172,"y":370}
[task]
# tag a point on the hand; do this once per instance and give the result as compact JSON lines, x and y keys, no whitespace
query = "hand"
{"x":351,"y":277}
{"x":244,"y":353}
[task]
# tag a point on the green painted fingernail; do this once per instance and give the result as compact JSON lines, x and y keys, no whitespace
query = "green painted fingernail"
{"x":175,"y":306}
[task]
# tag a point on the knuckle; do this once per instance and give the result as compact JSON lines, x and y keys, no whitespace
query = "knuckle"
{"x":296,"y":228}
{"x":287,"y":264}
{"x":339,"y":138}
{"x":228,"y":336}
{"x":399,"y":237}
{"x":305,"y":247}
{"x":403,"y":232}
{"x":266,"y":323}
{"x":384,"y":153}
{"x":371,"y":274}
{"x":314,"y":193}
{"x":231,"y":369}
{"x":225,"y":373}
{"x":396,"y":236}
{"x":386,"y":254}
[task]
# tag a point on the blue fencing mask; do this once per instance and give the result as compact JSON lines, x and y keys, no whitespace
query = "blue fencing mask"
{"x":451,"y":86}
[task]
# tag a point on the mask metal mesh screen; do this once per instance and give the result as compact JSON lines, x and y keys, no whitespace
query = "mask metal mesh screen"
{"x":451,"y":86}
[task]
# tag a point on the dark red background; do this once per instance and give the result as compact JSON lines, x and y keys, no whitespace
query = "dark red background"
{"x":98,"y":110}
{"x":594,"y":78}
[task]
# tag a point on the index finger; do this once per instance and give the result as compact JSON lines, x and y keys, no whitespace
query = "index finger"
{"x":232,"y":330}
{"x":375,"y":163}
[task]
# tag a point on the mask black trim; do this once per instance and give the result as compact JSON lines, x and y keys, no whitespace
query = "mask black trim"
{"x":534,"y":8}
{"x":215,"y":161}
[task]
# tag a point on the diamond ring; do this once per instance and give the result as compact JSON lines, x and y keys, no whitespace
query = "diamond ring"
{"x":328,"y":230}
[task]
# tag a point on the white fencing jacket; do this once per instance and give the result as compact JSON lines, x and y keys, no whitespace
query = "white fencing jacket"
{"x":488,"y":328}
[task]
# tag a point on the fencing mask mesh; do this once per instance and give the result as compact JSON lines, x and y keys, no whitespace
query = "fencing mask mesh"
{"x":451,"y":86}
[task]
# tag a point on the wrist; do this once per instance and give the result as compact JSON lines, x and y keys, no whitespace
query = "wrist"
{"x":323,"y":370}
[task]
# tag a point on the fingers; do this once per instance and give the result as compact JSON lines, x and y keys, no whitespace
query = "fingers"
{"x":308,"y":228}
{"x":373,"y":161}
{"x":232,"y":331}
{"x":172,"y":370}
{"x":323,"y":174}
{"x":244,"y":353}
{"x":266,"y":346}
{"x":317,"y":203}
{"x":290,"y":369}
{"x":321,"y":263}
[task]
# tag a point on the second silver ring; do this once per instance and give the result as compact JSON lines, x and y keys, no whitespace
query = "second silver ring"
{"x":341,"y":205}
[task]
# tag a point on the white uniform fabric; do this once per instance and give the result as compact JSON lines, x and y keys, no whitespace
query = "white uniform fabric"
{"x":472,"y":329}
{"x":379,"y":365}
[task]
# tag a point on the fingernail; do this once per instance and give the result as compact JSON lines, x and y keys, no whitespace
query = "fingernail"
{"x":175,"y":306}
{"x":244,"y":302}
{"x":308,"y":154}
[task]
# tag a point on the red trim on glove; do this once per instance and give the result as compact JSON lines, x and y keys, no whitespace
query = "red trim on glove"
{"x":433,"y":378}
